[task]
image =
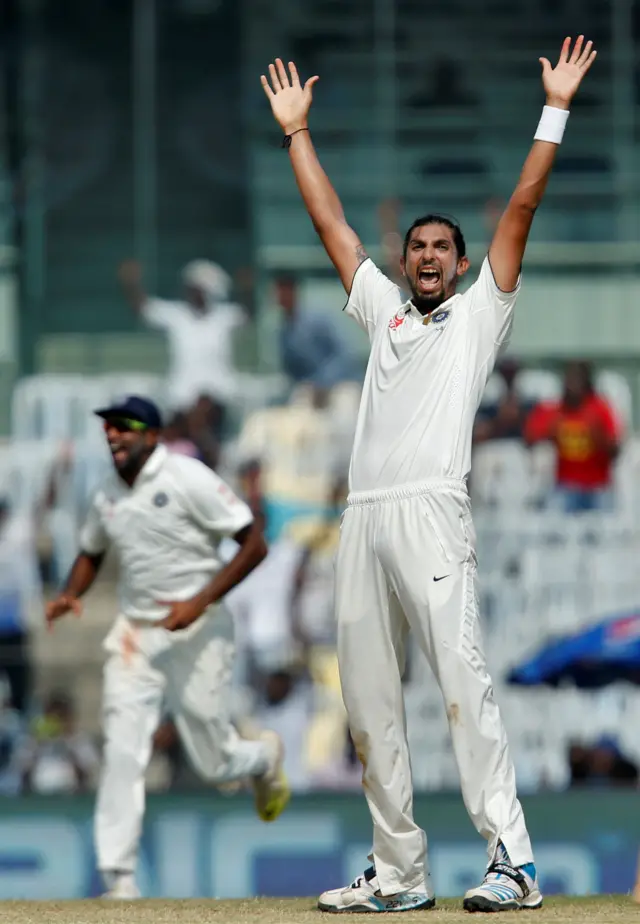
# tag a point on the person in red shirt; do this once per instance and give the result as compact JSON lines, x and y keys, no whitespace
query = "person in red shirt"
{"x":586,"y":434}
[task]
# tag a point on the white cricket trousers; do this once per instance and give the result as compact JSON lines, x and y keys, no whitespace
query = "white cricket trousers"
{"x":149,"y":671}
{"x":407,"y":561}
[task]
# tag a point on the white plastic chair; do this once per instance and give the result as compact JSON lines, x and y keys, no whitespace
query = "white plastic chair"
{"x":500,"y":474}
{"x":26,"y":466}
{"x":54,"y":406}
{"x":494,"y":391}
{"x":535,"y":385}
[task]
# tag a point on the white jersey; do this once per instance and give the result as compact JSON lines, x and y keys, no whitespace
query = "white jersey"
{"x":425,"y":378}
{"x":166,"y":530}
{"x":200,"y":349}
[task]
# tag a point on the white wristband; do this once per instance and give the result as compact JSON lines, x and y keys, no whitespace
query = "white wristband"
{"x":551,"y":125}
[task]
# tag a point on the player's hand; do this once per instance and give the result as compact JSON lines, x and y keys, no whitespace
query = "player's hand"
{"x":562,"y":81}
{"x":130,"y":273}
{"x":63,"y":604}
{"x":182,"y":613}
{"x":290,"y":101}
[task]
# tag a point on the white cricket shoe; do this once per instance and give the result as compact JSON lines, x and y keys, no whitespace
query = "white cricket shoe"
{"x":122,"y":889}
{"x":363,"y":895}
{"x":505,"y":888}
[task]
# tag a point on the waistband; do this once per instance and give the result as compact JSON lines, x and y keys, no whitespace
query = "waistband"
{"x":403,"y":491}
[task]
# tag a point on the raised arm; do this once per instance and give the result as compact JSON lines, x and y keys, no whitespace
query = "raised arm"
{"x":290,"y":103}
{"x":560,"y":84}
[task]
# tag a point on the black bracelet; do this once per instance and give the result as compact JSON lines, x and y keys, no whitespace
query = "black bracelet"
{"x":286,"y":141}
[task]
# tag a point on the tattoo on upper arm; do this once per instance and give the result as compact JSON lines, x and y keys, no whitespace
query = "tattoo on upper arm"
{"x":361,"y":254}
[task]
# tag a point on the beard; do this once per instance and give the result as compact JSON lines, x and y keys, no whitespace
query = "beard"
{"x":426,"y":303}
{"x":135,"y":460}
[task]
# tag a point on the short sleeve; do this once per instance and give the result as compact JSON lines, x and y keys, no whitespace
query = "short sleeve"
{"x":610,"y":423}
{"x":373,"y":297}
{"x":93,"y":536}
{"x":493,"y":308}
{"x":538,"y":423}
{"x":211,"y":502}
{"x":158,"y":312}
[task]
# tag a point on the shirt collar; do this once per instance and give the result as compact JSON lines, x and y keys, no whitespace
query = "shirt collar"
{"x":151,"y":467}
{"x":154,"y":463}
{"x":410,"y":309}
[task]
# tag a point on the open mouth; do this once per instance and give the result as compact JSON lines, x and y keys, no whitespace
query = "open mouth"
{"x":118,"y":453}
{"x":428,"y":279}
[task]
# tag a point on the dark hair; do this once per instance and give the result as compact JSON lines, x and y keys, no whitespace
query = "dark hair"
{"x":436,"y":219}
{"x":585,"y":369}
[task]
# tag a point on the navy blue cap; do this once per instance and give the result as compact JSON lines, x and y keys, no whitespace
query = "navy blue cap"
{"x":134,"y":408}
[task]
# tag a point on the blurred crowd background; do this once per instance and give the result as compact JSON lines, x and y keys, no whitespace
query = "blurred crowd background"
{"x":152,"y":241}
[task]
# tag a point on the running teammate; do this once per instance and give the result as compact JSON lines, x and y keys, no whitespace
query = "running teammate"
{"x":406,"y":557}
{"x":172,"y":643}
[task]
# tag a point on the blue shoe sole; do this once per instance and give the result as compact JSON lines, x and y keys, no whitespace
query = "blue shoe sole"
{"x":364,"y":909}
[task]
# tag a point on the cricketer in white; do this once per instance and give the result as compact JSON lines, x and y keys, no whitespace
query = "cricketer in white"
{"x":171,"y":647}
{"x":406,"y":559}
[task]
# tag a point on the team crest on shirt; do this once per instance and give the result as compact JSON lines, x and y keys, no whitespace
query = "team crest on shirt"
{"x":439,"y":317}
{"x":161,"y":499}
{"x":397,"y":320}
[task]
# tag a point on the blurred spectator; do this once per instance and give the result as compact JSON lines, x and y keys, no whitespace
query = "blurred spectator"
{"x":250,"y":485}
{"x":20,"y":594}
{"x":345,"y":771}
{"x":602,"y":764}
{"x":312,"y":602}
{"x":176,"y":437}
{"x":57,"y":758}
{"x":285,"y":704}
{"x":200,"y":331}
{"x":261,"y":607}
{"x":11,"y":738}
{"x":204,"y":426}
{"x":168,"y":767}
{"x":298,"y":451}
{"x":505,"y":420}
{"x":583,"y":428}
{"x":311,"y":348}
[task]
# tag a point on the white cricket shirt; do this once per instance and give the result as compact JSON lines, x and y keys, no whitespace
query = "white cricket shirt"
{"x":425,"y":378}
{"x":166,"y":530}
{"x":200,"y":349}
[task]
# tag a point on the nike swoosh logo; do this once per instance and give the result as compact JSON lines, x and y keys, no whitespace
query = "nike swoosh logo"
{"x":441,"y":578}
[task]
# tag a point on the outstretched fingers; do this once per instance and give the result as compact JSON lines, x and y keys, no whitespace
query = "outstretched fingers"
{"x":282,"y":74}
{"x":266,"y":86}
{"x":587,"y":57}
{"x":295,"y":80}
{"x":577,"y":48}
{"x":275,"y":80}
{"x":564,"y":51}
